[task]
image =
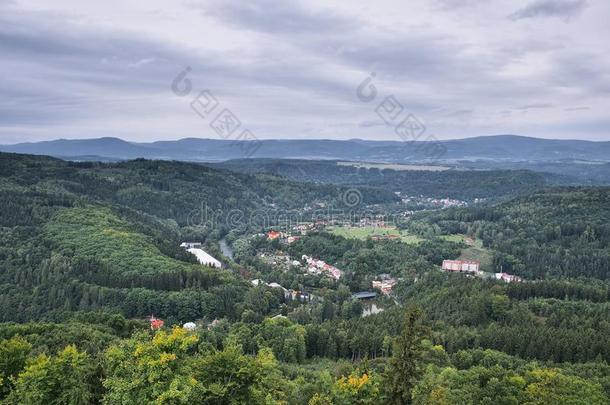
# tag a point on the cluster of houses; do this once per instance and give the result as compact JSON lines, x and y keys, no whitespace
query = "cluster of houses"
{"x":317,"y":267}
{"x":293,"y":234}
{"x":303,"y":228}
{"x":385,"y":284}
{"x":279,"y":259}
{"x":473,"y":267}
{"x":366,"y":221}
{"x":282,"y":236}
{"x":202,"y":256}
{"x":376,"y":222}
{"x":434,"y":202}
{"x":289,"y":294}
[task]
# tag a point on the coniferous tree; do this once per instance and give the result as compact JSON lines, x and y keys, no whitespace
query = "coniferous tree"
{"x":404,"y":366}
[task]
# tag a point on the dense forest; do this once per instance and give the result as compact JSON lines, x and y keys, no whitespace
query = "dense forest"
{"x":561,"y":232}
{"x":431,"y":181}
{"x":90,"y":251}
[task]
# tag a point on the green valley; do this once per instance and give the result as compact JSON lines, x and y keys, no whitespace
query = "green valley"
{"x":317,"y":301}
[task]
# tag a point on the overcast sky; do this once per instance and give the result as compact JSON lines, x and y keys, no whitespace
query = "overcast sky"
{"x":288,"y":69}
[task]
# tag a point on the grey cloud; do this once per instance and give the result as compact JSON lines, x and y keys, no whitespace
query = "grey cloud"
{"x":60,"y":73}
{"x":292,"y":80}
{"x":369,"y":124}
{"x":598,"y":127}
{"x":460,"y":113}
{"x":565,"y":9}
{"x":534,"y":106}
{"x":88,"y":57}
{"x":449,"y":4}
{"x":421,"y":56}
{"x":274,"y":16}
{"x":340,"y":38}
{"x":57,"y":74}
{"x":582,"y":70}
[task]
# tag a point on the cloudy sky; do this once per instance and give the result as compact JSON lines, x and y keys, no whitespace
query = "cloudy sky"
{"x":290,"y":69}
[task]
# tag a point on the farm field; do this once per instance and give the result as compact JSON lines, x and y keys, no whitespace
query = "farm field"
{"x":371,"y":231}
{"x":461,"y":238}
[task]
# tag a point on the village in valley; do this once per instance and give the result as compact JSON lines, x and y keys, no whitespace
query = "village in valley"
{"x":313,"y":268}
{"x":472,"y":267}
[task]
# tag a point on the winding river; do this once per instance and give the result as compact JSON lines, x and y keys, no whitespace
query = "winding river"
{"x":225,"y":248}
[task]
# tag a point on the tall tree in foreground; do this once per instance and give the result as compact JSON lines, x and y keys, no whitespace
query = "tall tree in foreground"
{"x":404,"y":367}
{"x":55,"y":380}
{"x":13,"y":355}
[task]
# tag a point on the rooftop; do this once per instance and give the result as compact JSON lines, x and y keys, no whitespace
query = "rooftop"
{"x":364,"y":295}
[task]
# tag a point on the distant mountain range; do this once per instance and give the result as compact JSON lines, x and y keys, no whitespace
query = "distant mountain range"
{"x":510,"y":148}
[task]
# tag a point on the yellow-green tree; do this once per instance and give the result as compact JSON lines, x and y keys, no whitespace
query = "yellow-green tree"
{"x":168,"y":369}
{"x":158,"y":370}
{"x":61,"y":379}
{"x":550,"y":386}
{"x":360,"y":387}
{"x":13,"y":355}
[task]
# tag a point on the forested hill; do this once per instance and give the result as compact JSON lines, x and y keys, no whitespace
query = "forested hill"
{"x":89,"y":251}
{"x":552,"y":233}
{"x":430,"y":181}
{"x":78,"y":237}
{"x":495,"y":147}
{"x":167,"y":189}
{"x":84,"y":236}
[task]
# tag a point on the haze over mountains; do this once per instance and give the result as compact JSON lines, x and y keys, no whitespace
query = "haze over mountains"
{"x":499,"y":147}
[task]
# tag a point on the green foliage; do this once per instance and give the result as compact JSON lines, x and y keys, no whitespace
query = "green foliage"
{"x":469,"y":313}
{"x":157,"y":370}
{"x":404,"y":367}
{"x":131,"y":258}
{"x":555,"y":233}
{"x":88,"y":250}
{"x":226,"y":376}
{"x":13,"y":355}
{"x":363,"y":260}
{"x":168,"y":369}
{"x":285,"y":339}
{"x":360,"y":387}
{"x":479,"y":385}
{"x":60,"y":379}
{"x":461,"y":184}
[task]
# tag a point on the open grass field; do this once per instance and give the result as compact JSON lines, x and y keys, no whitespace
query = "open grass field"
{"x":370,"y":231}
{"x":458,"y":238}
{"x":474,"y":251}
{"x":481,"y":254}
{"x":461,"y":238}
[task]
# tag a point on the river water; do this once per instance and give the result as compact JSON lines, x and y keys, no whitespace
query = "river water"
{"x":225,"y":248}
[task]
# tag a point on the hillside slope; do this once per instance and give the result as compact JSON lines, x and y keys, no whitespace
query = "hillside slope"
{"x":84,"y":236}
{"x":450,"y":183}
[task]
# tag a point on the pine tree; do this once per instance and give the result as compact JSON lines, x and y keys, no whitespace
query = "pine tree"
{"x":404,"y":366}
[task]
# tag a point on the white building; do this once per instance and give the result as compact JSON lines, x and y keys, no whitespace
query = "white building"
{"x":189,"y":326}
{"x":190,"y":245}
{"x":508,"y":278}
{"x":202,"y":256}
